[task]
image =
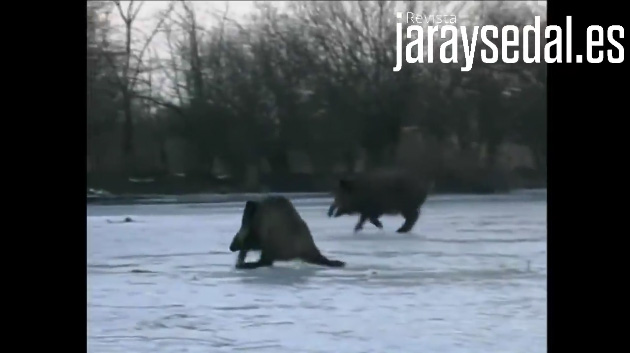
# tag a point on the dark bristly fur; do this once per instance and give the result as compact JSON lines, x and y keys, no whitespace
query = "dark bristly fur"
{"x":374,"y":194}
{"x":273,"y":226}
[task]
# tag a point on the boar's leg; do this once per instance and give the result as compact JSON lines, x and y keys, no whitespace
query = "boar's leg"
{"x":362,"y":219}
{"x":411,"y":217}
{"x":241,"y":257}
{"x":375,"y":221}
{"x":264,"y":261}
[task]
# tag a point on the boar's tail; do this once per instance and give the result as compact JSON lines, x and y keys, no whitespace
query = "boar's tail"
{"x":320,"y":259}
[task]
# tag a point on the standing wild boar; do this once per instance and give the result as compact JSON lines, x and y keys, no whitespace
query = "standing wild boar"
{"x":273,"y":226}
{"x":374,"y":194}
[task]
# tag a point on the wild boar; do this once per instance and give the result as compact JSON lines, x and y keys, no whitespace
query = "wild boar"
{"x":273,"y":226}
{"x":374,"y":194}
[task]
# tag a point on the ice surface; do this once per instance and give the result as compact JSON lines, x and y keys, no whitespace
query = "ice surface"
{"x":470,"y":278}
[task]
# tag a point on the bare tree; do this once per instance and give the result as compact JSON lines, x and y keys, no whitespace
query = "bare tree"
{"x":129,"y":69}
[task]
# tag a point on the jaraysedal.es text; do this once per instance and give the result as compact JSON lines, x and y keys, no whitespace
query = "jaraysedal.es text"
{"x":414,"y":51}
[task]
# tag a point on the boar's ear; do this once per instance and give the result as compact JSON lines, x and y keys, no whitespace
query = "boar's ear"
{"x":346,"y":184}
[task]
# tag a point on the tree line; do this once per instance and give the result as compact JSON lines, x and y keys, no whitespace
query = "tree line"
{"x":305,"y":83}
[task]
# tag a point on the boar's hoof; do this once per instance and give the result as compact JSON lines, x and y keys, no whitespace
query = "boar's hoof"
{"x":403,"y":229}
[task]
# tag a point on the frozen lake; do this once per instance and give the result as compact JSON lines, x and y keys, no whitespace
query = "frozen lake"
{"x":471,"y":277}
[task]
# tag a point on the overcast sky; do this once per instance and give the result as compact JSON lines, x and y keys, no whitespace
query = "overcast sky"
{"x":237,"y":10}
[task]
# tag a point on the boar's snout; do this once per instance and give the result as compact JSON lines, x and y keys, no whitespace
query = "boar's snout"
{"x":237,"y":242}
{"x":336,"y":211}
{"x":331,"y":210}
{"x":234,"y":246}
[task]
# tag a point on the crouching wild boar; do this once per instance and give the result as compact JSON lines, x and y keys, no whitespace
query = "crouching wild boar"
{"x":374,"y":194}
{"x":273,"y":226}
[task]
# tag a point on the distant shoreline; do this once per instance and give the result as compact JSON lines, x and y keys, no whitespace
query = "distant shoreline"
{"x":104,"y":189}
{"x":210,"y":198}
